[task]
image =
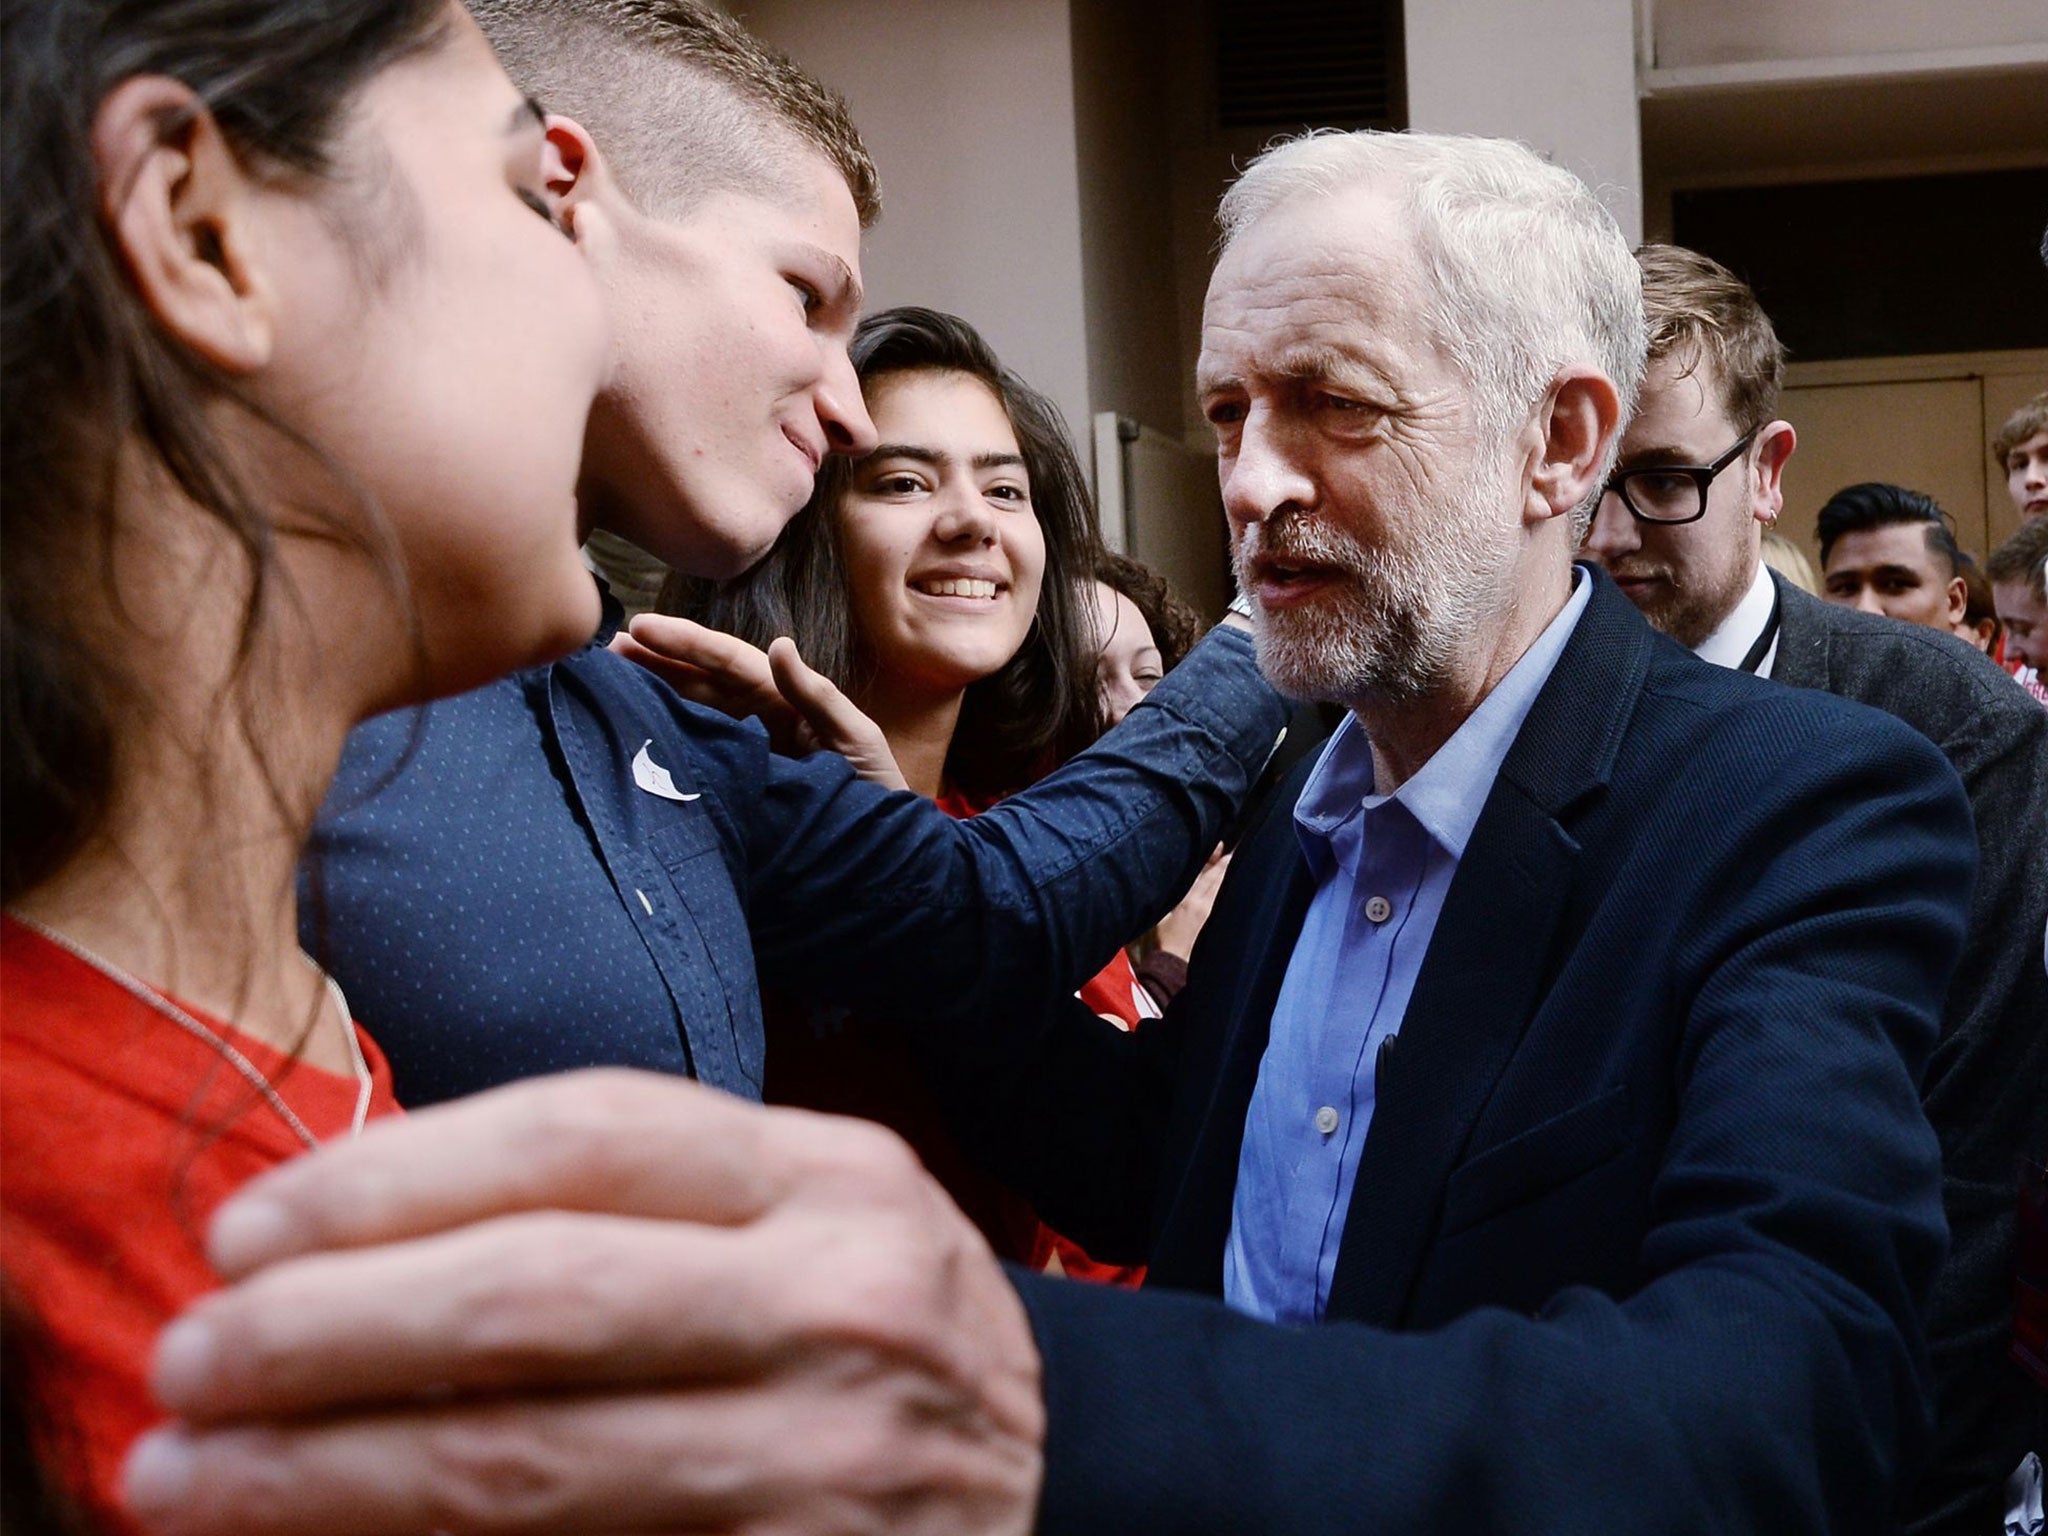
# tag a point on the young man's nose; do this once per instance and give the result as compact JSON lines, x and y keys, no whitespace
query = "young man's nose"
{"x":841,"y":410}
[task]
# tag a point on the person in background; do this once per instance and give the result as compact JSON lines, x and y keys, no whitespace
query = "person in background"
{"x":1979,"y":623}
{"x":2021,"y":452}
{"x":1716,"y":367}
{"x":942,"y":583}
{"x":1789,"y":561}
{"x":1885,"y":549}
{"x":297,"y":364}
{"x":2015,"y":569}
{"x":1145,"y":629}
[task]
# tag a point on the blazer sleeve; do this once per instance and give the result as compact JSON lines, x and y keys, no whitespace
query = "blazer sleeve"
{"x":1769,"y":1375}
{"x":880,"y":901}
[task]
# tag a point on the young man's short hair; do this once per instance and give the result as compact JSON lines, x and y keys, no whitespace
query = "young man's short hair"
{"x":1701,"y":314}
{"x":682,"y":99}
{"x":2022,"y":558}
{"x":1873,"y":504}
{"x":2022,"y":424}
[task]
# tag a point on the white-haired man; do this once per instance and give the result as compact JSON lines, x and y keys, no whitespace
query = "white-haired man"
{"x":1553,"y":1047}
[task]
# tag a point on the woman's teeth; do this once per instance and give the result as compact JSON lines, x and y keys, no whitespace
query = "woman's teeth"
{"x":956,"y":587}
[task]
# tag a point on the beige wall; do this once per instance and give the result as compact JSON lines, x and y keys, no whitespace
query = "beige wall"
{"x":1558,"y":74}
{"x":968,"y":109}
{"x":1125,"y":77}
{"x":1922,"y":422}
{"x":1696,"y":33}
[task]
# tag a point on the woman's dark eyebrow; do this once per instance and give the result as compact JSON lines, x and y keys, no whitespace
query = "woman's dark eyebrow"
{"x":938,"y":458}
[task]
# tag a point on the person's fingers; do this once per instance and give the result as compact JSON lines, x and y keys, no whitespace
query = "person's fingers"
{"x":832,"y":719}
{"x":607,"y":1140}
{"x":696,"y":645}
{"x":543,"y":1301}
{"x":555,"y":1300}
{"x":623,"y":644}
{"x":828,"y":712}
{"x":692,"y":682}
{"x":709,"y":1460}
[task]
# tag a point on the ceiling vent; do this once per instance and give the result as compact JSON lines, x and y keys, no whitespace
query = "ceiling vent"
{"x":1309,"y":64}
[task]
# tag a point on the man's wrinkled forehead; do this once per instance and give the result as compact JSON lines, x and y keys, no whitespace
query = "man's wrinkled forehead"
{"x":1308,"y":280}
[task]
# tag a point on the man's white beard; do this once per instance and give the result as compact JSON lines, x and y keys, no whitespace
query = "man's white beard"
{"x":1394,"y":628}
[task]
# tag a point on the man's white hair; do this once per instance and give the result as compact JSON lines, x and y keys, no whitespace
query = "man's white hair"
{"x":1528,"y":272}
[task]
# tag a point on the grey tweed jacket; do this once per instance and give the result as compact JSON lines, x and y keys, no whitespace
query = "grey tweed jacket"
{"x":1986,"y":1089}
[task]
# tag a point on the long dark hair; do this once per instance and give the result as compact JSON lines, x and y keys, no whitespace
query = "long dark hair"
{"x":1041,"y":708}
{"x":86,"y":374}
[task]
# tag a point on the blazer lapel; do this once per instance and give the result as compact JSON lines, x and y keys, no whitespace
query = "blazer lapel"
{"x":1802,"y":659}
{"x":1229,"y":1040}
{"x":1488,"y":960}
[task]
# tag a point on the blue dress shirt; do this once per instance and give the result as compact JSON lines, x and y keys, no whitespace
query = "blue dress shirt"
{"x":574,"y":866}
{"x":1383,"y":865}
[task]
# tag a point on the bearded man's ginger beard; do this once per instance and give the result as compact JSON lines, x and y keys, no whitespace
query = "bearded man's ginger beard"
{"x":1678,"y":606}
{"x":1391,"y":627}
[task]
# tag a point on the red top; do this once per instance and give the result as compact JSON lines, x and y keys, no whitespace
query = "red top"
{"x":120,"y":1133}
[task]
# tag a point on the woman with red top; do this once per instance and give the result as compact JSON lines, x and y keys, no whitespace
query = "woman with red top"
{"x":296,"y":371}
{"x":944,"y":583}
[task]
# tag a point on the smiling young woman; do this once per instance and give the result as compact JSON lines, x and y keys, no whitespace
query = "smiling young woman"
{"x":296,"y":374}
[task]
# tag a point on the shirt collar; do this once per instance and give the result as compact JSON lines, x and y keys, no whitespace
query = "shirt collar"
{"x":1730,"y":643}
{"x":612,"y":616}
{"x":1448,"y":792}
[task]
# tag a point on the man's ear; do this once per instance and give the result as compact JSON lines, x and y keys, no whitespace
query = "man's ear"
{"x":1958,"y":600}
{"x":1576,"y":424}
{"x":1774,"y":444}
{"x":577,"y":180}
{"x":176,"y":203}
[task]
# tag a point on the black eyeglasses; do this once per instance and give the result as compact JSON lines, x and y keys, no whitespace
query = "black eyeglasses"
{"x":1672,"y":493}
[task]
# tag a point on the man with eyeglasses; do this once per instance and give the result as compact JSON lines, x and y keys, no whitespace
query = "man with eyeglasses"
{"x":1679,"y":527}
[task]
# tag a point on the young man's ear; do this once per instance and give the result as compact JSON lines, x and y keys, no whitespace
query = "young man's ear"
{"x":1958,"y":600}
{"x":577,"y":181}
{"x":1774,"y":444}
{"x":1578,"y":420}
{"x":176,"y":202}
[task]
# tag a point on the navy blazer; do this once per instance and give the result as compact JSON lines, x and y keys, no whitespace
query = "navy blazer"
{"x":1648,"y":1209}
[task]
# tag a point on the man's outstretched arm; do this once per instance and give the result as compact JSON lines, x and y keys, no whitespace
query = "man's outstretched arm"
{"x":877,"y":901}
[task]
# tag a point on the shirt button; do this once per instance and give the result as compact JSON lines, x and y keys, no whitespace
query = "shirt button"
{"x":1379,"y":909}
{"x":1326,"y":1120}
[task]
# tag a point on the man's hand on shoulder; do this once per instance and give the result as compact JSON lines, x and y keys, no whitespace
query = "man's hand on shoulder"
{"x":802,"y":709}
{"x":599,"y":1302}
